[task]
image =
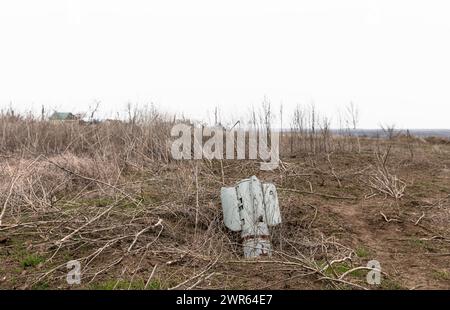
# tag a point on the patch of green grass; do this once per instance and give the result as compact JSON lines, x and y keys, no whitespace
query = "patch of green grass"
{"x":343,"y":268}
{"x":422,"y":245}
{"x":126,"y":205}
{"x":389,"y":284}
{"x":41,"y":286}
{"x":362,"y":252}
{"x":154,"y":285}
{"x":18,"y":249}
{"x":83,"y":202}
{"x":441,"y":275}
{"x":31,"y":260}
{"x":417,"y":243}
{"x":338,"y":268}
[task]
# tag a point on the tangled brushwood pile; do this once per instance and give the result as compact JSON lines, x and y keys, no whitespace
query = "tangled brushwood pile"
{"x":109,"y":196}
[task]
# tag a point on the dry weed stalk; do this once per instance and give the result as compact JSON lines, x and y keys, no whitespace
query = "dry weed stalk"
{"x":382,"y":180}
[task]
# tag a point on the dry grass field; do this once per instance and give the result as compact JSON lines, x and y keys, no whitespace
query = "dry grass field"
{"x":110,"y":196}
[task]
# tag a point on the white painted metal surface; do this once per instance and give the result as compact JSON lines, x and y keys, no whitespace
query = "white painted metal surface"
{"x":230,"y":209}
{"x":273,"y":214}
{"x":251,"y":207}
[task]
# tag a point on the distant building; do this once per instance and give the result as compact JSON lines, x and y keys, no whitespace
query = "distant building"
{"x":63,"y":116}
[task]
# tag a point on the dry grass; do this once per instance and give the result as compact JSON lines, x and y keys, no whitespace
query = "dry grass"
{"x":110,"y":196}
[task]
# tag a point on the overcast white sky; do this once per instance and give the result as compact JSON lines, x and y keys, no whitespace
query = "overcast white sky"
{"x":391,"y":58}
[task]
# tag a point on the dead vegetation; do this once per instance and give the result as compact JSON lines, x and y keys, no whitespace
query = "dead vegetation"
{"x":110,"y":196}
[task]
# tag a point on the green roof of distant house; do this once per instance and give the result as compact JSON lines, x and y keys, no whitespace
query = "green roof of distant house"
{"x":61,"y":116}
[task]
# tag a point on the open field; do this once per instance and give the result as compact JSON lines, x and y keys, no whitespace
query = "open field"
{"x":110,"y":196}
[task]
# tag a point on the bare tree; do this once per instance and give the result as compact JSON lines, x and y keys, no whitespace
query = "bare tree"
{"x":281,"y":119}
{"x":312,"y":126}
{"x":410,"y":141}
{"x":93,"y":109}
{"x":353,"y":118}
{"x":389,"y":131}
